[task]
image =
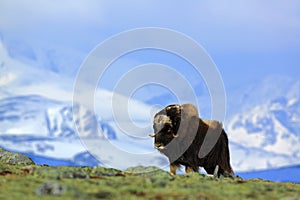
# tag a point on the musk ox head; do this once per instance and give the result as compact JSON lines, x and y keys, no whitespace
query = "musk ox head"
{"x":167,"y":121}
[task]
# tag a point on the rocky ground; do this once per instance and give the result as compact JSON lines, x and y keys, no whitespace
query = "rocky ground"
{"x":20,"y":178}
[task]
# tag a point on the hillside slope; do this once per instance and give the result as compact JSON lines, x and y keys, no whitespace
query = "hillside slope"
{"x":28,"y":181}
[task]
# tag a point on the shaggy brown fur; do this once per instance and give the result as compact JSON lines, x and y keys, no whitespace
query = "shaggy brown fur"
{"x":180,"y":134}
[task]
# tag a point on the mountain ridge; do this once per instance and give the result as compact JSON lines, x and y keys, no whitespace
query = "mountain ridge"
{"x":61,"y":131}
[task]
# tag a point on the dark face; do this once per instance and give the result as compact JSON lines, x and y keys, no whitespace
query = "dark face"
{"x":165,"y":126}
{"x":163,"y":131}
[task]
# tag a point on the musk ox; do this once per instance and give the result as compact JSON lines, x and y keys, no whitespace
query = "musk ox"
{"x":190,"y":141}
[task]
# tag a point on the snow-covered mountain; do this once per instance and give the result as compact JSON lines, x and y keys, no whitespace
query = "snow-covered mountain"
{"x":268,"y":133}
{"x":46,"y":130}
{"x":45,"y":127}
{"x":41,"y":117}
{"x":36,"y":113}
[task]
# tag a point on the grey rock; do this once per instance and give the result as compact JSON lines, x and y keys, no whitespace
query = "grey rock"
{"x":14,"y":158}
{"x":50,"y":188}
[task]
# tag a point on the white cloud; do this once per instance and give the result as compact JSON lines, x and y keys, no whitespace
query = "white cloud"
{"x":5,"y":79}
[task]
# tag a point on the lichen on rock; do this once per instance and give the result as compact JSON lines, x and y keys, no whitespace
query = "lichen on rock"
{"x":14,"y":158}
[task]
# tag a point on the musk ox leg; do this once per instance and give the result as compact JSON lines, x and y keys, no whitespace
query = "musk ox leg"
{"x":173,"y":168}
{"x":189,"y":169}
{"x":218,"y":171}
{"x":209,"y":170}
{"x":226,"y":173}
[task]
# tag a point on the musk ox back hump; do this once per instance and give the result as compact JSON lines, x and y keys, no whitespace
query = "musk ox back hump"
{"x":189,"y":110}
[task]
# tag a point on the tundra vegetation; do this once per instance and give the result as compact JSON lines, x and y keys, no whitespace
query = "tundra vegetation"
{"x":20,"y":178}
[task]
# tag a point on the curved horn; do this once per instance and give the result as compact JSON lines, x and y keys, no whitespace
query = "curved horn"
{"x":152,"y":135}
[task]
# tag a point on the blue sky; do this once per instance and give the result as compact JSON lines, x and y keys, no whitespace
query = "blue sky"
{"x":248,"y":40}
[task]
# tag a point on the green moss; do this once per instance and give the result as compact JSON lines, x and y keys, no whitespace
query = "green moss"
{"x":14,"y":158}
{"x":20,"y":181}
